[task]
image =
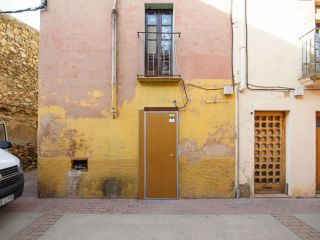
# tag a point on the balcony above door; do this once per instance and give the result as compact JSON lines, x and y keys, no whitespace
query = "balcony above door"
{"x":310,"y":59}
{"x":158,"y":57}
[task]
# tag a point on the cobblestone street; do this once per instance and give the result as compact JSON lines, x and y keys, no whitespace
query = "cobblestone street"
{"x":270,"y":218}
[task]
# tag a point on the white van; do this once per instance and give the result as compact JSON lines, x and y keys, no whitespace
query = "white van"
{"x":11,"y":174}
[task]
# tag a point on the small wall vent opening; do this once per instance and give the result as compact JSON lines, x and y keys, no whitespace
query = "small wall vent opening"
{"x":80,"y":164}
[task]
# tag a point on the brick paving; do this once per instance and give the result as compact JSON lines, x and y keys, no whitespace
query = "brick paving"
{"x":34,"y":230}
{"x":301,"y":229}
{"x":281,"y":209}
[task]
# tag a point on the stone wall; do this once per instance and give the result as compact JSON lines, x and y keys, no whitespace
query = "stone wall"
{"x":19,"y":87}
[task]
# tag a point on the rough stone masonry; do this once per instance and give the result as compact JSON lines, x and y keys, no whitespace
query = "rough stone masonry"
{"x":19,"y":50}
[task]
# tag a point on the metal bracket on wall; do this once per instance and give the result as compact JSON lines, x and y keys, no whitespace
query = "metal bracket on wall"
{"x":215,"y":101}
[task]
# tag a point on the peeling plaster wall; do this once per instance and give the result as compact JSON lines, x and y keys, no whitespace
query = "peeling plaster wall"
{"x":275,"y":60}
{"x":75,"y":99}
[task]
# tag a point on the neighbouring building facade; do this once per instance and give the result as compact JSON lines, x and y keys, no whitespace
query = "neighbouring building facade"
{"x":132,"y":101}
{"x":19,"y":87}
{"x":279,"y":101}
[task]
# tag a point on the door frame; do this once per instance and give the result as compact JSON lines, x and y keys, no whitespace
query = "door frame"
{"x":145,"y":153}
{"x":284,"y":155}
{"x":317,"y":154}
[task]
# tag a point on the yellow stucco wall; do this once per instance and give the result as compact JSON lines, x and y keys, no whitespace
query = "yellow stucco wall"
{"x":206,"y":144}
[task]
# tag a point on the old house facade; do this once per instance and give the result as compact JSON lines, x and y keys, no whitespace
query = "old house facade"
{"x":135,"y":99}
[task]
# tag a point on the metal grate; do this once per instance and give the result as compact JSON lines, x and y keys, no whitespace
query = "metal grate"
{"x":311,"y":53}
{"x":159,"y":54}
{"x":269,"y":152}
{"x":10,"y":176}
{"x":9,"y":181}
{"x":9,"y":171}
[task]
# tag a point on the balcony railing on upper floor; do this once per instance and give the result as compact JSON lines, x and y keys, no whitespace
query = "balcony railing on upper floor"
{"x":158,"y":56}
{"x":311,"y":58}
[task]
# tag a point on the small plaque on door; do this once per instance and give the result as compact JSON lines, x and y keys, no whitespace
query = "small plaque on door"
{"x":172,"y":118}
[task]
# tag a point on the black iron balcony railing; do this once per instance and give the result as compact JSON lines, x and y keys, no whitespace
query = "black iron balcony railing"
{"x":157,"y":54}
{"x":311,"y":53}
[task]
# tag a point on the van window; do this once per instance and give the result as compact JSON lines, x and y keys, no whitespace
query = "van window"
{"x":3,"y":135}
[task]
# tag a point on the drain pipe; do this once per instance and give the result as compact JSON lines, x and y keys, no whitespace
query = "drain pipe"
{"x":243,"y":44}
{"x":237,"y":92}
{"x":114,"y":61}
{"x":241,"y":79}
{"x":237,"y":152}
{"x":239,"y":41}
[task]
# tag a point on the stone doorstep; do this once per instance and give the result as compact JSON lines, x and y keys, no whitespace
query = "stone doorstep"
{"x":277,"y":195}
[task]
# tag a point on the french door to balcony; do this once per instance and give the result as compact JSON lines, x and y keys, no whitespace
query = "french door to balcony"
{"x":158,"y":43}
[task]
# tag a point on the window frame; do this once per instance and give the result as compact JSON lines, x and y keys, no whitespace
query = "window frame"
{"x":159,"y":38}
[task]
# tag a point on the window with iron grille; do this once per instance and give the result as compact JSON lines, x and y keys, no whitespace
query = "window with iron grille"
{"x":158,"y":43}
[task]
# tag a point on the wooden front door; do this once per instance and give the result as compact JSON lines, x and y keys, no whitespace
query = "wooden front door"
{"x":269,"y":152}
{"x":160,"y":155}
{"x":318,"y":151}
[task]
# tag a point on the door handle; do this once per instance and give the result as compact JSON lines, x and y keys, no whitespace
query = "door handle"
{"x":171,"y":155}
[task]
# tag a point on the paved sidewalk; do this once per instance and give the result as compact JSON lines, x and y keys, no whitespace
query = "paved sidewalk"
{"x":278,"y":218}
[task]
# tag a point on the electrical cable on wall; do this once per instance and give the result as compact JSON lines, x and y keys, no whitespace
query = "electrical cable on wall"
{"x":232,"y":69}
{"x":211,"y":89}
{"x":204,"y":88}
{"x":257,"y":87}
{"x":43,"y":5}
{"x":186,"y":95}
